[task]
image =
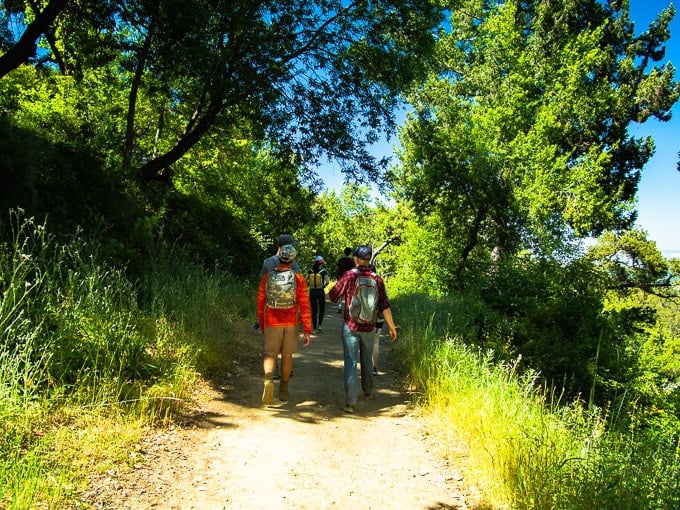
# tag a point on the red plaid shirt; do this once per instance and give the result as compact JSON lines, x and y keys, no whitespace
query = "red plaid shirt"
{"x":345,"y":287}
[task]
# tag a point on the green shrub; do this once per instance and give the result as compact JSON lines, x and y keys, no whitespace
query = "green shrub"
{"x":79,"y":340}
{"x":524,"y":446}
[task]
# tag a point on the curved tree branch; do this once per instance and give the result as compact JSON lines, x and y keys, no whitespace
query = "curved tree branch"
{"x":25,"y":47}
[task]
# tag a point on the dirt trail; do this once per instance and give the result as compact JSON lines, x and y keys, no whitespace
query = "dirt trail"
{"x":303,"y":454}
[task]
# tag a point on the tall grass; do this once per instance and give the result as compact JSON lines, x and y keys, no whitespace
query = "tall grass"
{"x":207,"y":306}
{"x":88,"y":359}
{"x":524,"y":448}
{"x":84,"y":352}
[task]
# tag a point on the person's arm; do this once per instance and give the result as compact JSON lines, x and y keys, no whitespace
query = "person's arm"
{"x":305,"y":308}
{"x":387,"y":314}
{"x":384,"y":308}
{"x":336,"y":291}
{"x":261,"y":299}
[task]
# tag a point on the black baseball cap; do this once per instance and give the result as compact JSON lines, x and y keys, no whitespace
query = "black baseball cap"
{"x":363,"y":252}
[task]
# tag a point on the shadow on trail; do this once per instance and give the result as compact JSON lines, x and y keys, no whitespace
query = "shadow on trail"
{"x":316,"y":386}
{"x":313,"y":428}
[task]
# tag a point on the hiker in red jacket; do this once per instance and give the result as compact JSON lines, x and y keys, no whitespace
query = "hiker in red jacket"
{"x":282,"y":304}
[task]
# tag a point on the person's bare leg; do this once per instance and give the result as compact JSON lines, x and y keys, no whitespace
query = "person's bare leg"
{"x":268,"y":366}
{"x":286,"y":366}
{"x":286,"y":369}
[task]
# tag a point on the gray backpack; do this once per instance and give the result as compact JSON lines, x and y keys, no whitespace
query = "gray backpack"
{"x":363,"y":307}
{"x":280,"y":289}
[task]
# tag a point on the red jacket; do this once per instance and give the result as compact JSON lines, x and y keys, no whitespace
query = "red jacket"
{"x":301,"y":313}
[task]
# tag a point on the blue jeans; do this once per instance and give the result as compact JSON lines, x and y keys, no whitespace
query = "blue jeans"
{"x":357,"y":347}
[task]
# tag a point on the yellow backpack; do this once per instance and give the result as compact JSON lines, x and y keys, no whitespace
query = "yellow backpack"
{"x":315,"y":281}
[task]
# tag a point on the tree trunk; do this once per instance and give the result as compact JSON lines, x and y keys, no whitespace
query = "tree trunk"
{"x":134,"y":91}
{"x":158,"y":168}
{"x":25,"y":48}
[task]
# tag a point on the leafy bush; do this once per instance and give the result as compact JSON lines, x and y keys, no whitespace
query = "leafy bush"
{"x":75,"y":342}
{"x":525,"y":446}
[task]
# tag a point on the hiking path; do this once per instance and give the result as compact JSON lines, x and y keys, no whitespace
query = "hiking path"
{"x":306,"y":453}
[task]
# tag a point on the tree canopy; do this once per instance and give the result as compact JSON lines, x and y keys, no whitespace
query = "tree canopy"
{"x":312,"y":78}
{"x":520,"y":137}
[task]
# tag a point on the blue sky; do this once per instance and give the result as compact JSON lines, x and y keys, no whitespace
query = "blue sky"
{"x":659,"y":191}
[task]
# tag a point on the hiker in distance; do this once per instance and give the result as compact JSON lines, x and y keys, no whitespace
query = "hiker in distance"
{"x":282,"y":304}
{"x":364,"y":295}
{"x":378,"y":330}
{"x":345,"y":263}
{"x":375,"y":354}
{"x":317,"y":281}
{"x":271,"y":262}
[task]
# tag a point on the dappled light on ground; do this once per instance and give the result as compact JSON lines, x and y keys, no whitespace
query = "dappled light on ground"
{"x":304,"y":453}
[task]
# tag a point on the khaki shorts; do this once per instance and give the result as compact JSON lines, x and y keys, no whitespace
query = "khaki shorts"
{"x":281,"y":340}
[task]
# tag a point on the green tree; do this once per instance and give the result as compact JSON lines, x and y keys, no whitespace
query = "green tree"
{"x":519,"y":140}
{"x":344,"y":218}
{"x":422,"y":255}
{"x":312,"y":78}
{"x":22,"y":50}
{"x":631,"y":262}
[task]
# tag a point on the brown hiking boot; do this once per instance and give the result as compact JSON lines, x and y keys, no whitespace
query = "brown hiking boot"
{"x":283,"y":391}
{"x":268,"y":393}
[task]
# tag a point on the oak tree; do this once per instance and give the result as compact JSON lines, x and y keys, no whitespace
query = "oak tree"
{"x":520,"y":138}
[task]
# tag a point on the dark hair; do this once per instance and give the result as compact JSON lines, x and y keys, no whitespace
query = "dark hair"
{"x":348,"y":252}
{"x":285,"y":239}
